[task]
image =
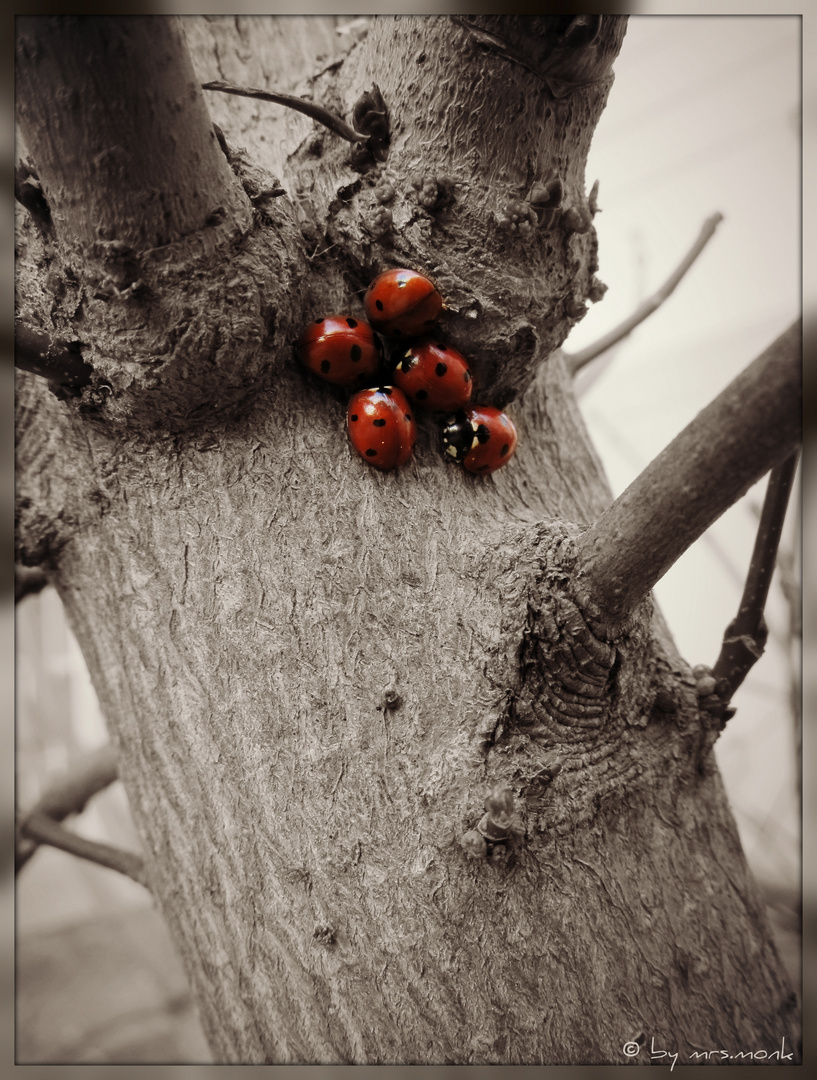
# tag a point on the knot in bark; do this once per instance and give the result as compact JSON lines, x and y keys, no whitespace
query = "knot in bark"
{"x":577,"y":671}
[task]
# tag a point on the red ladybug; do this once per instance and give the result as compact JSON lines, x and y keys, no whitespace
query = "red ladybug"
{"x":402,"y":303}
{"x":381,"y":426}
{"x":435,"y":376}
{"x":339,"y":349}
{"x":481,"y":438}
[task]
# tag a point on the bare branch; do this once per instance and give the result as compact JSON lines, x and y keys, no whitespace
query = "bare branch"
{"x":114,"y":105}
{"x":68,"y":796}
{"x":752,"y":426}
{"x":308,"y":108}
{"x":745,"y":637}
{"x":45,"y":830}
{"x":580,"y":359}
{"x":788,"y":579}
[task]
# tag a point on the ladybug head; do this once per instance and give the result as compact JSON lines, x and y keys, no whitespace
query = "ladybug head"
{"x":398,"y":355}
{"x":457,"y":436}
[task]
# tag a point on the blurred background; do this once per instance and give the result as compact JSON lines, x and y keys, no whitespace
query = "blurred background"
{"x":704,"y":116}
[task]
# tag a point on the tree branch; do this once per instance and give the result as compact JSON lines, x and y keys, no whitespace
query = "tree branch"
{"x":112,"y":104}
{"x":68,"y":796}
{"x":45,"y":830}
{"x":578,"y":360}
{"x":752,"y":426}
{"x":308,"y":108}
{"x":745,"y":637}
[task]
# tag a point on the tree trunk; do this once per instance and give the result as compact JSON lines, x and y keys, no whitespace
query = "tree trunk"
{"x":314,"y":672}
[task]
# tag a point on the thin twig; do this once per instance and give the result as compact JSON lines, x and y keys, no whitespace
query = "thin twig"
{"x":789,"y":582}
{"x":578,"y":360}
{"x":309,"y":108}
{"x":752,"y":426}
{"x":68,"y":796}
{"x":45,"y":830}
{"x":745,"y":637}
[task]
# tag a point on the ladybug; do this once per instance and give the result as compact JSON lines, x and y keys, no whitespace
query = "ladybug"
{"x":481,"y":438}
{"x":402,"y":303}
{"x":340,"y":349}
{"x":381,"y":426}
{"x":433,"y":375}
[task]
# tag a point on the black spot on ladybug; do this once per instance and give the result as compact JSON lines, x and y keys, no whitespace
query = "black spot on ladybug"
{"x":504,"y":450}
{"x":401,"y":284}
{"x":325,"y":365}
{"x":371,"y":453}
{"x":482,"y":468}
{"x":443,"y":348}
{"x":353,"y":417}
{"x":318,"y":322}
{"x":379,"y":305}
{"x":441,"y":369}
{"x":352,"y":323}
{"x":384,"y":390}
{"x":380,"y":422}
{"x":355,"y":353}
{"x":483,"y":434}
{"x":421,"y":395}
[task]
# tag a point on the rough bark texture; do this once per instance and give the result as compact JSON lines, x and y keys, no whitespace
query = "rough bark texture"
{"x":165,"y":290}
{"x":250,"y":597}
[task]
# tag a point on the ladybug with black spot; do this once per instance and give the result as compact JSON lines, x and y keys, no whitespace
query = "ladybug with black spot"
{"x":480,"y":438}
{"x":434,"y":376}
{"x":340,"y":349}
{"x":381,"y":426}
{"x":402,"y":303}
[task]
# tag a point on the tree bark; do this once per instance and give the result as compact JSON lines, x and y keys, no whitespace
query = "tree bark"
{"x":137,"y":73}
{"x":315,"y":673}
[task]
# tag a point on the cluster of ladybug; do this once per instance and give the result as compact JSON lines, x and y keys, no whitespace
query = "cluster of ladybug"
{"x":404,"y":306}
